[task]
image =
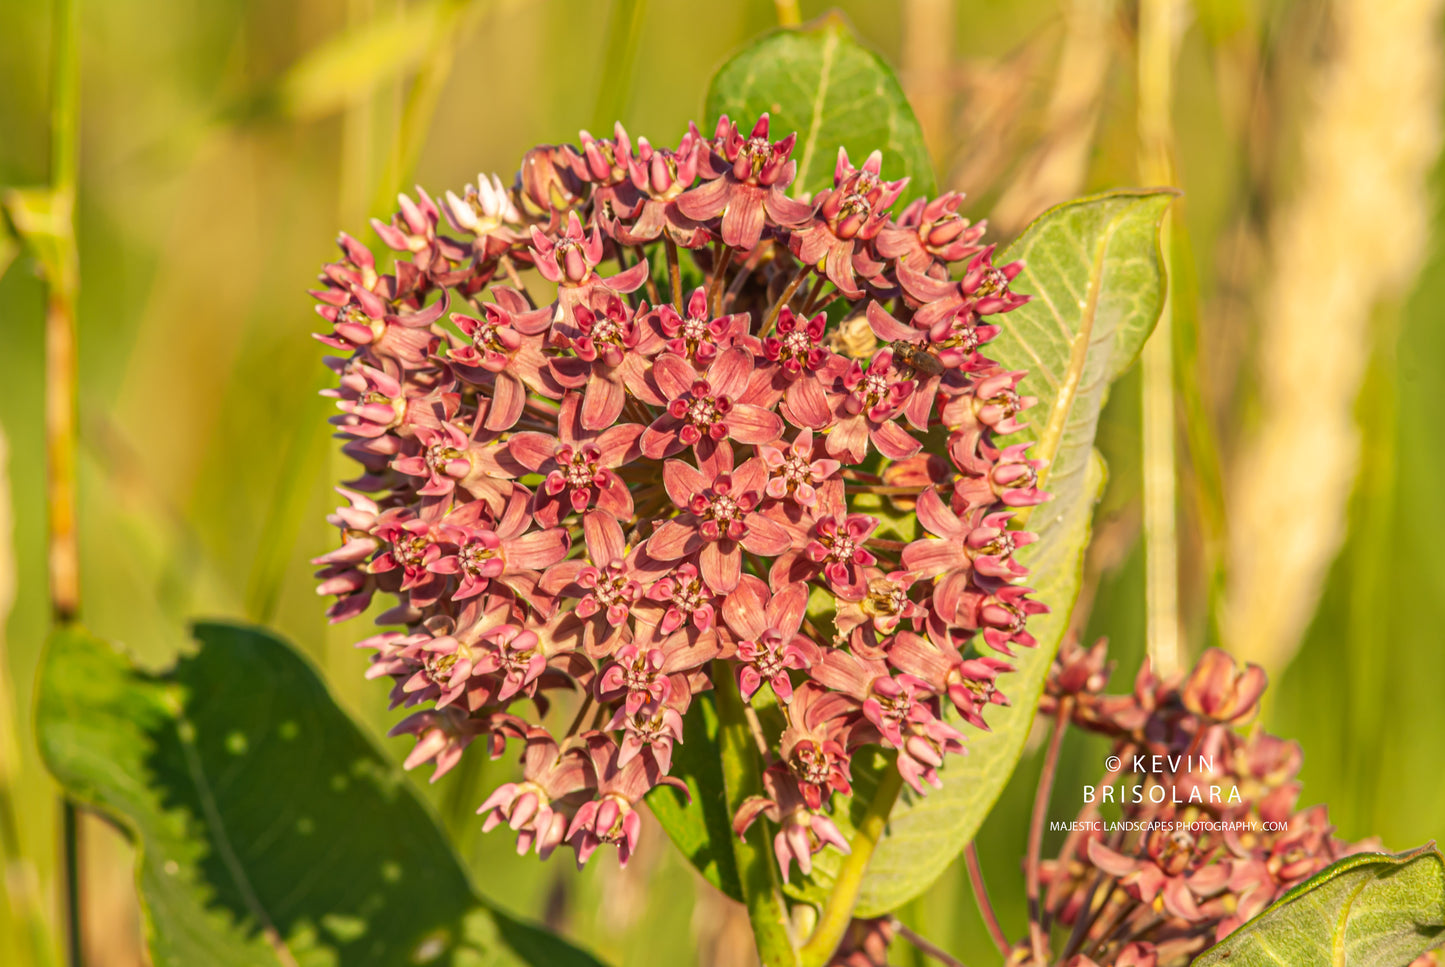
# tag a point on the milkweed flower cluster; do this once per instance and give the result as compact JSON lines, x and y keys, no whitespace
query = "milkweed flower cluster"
{"x":1207,"y":832}
{"x":580,"y":473}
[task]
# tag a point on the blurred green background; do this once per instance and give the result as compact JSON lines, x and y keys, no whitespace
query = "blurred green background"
{"x":223,"y":143}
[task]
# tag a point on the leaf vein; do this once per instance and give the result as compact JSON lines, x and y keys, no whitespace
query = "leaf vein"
{"x":224,"y":849}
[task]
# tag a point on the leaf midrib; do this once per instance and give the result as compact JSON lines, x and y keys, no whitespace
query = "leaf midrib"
{"x":1337,"y":942}
{"x":805,"y":162}
{"x":1048,"y":443}
{"x":185,"y":733}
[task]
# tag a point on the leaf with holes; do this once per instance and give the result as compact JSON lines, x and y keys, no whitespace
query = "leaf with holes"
{"x":1368,"y":910}
{"x":1097,"y":281}
{"x":819,"y":81}
{"x":269,"y":829}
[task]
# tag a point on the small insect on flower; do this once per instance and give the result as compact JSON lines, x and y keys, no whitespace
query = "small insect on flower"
{"x":915,"y":359}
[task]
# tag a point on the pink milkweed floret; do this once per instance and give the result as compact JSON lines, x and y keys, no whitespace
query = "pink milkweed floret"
{"x":638,"y":488}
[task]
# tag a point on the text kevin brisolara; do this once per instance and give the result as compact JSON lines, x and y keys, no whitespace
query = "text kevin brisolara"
{"x":1167,"y":825}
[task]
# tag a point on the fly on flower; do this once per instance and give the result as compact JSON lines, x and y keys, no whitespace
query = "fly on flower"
{"x":914,"y":360}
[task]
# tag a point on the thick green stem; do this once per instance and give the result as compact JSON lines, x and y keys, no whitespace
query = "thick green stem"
{"x":756,"y":869}
{"x":838,"y":911}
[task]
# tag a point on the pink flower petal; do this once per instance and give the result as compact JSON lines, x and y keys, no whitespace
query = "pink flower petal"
{"x":509,"y":395}
{"x":531,"y":449}
{"x":938,"y":519}
{"x":849,"y":439}
{"x":705,"y":201}
{"x":748,"y":423}
{"x":604,"y":400}
{"x":751,"y":477}
{"x":1115,"y":864}
{"x":604,"y":538}
{"x":785,"y":611}
{"x":887,"y":328}
{"x":619,"y":444}
{"x":683,"y":481}
{"x":805,"y":404}
{"x":744,"y":609}
{"x":894,"y":442}
{"x":766,"y":536}
{"x":729,"y":372}
{"x":673,"y":374}
{"x":672,"y":540}
{"x":930,"y":557}
{"x":721,"y":566}
{"x":538,"y":549}
{"x":661,"y":439}
{"x":742,"y":221}
{"x":614,"y":497}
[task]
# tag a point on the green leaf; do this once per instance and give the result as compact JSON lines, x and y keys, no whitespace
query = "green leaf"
{"x":269,"y":829}
{"x":821,"y":82}
{"x":700,"y":825}
{"x":1094,"y":271}
{"x":1368,"y":910}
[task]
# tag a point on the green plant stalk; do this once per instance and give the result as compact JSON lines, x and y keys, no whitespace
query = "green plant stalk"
{"x":789,"y":15}
{"x":53,"y":237}
{"x":63,"y":282}
{"x":756,"y":869}
{"x":452,"y":26}
{"x":1161,"y":539}
{"x":838,"y":911}
{"x":624,"y":35}
{"x":1206,"y":474}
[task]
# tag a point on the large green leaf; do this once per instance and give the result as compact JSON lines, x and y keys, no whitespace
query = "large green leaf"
{"x":269,"y":829}
{"x":1369,"y":910}
{"x":819,"y":81}
{"x":1094,"y":271}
